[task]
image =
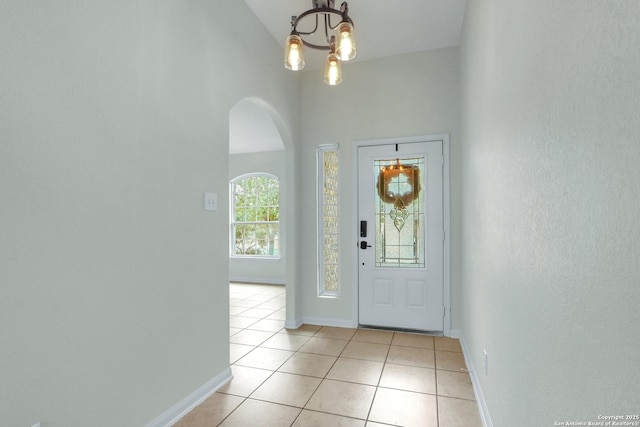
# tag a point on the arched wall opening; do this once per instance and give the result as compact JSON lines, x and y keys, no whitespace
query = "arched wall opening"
{"x":260,"y":142}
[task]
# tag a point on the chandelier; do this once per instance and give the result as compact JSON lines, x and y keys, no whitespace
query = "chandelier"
{"x":338,"y":38}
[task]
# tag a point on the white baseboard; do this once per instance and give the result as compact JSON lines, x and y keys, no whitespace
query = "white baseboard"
{"x":293,"y":324}
{"x":182,"y":408}
{"x":321,"y":321}
{"x":482,"y":404}
{"x":256,"y":280}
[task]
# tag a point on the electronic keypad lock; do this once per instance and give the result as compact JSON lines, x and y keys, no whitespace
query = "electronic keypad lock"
{"x":363,"y":229}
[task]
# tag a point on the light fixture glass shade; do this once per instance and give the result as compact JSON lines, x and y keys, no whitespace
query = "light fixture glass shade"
{"x":293,"y":55}
{"x":332,"y":70}
{"x":346,"y":45}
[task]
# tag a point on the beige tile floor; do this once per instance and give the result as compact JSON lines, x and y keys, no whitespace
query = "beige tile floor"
{"x":333,"y":377}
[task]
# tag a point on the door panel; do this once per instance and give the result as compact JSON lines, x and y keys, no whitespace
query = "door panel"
{"x":416,"y":294}
{"x":382,"y":292}
{"x":400,"y":267}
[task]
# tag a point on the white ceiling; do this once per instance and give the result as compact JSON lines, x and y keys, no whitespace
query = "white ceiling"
{"x":382,"y":27}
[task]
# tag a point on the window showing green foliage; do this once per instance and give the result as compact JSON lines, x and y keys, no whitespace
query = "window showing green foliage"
{"x":255,"y":215}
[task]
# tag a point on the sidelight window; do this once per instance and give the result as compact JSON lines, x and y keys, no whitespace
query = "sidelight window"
{"x":328,"y":221}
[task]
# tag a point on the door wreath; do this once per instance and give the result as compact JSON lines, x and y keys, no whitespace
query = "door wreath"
{"x":399,"y":212}
{"x":388,"y":173}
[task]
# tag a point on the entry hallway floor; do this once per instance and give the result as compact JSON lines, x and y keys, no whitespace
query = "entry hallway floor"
{"x":333,"y":377}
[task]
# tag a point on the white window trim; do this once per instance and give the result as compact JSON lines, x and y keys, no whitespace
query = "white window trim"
{"x":232,"y":209}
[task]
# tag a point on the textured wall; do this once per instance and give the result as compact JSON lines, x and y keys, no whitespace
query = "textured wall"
{"x":551,"y":201}
{"x":405,"y":95}
{"x":113,"y":280}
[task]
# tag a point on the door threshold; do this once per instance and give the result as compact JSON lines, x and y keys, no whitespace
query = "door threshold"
{"x":408,"y":330}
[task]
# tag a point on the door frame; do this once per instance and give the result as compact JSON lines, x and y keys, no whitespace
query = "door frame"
{"x":446,"y":204}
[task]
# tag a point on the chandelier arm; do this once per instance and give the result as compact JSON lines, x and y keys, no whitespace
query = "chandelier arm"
{"x":344,"y":8}
{"x":315,"y":46}
{"x":327,"y":18}
{"x":327,"y":25}
{"x":317,"y":11}
{"x":302,"y":32}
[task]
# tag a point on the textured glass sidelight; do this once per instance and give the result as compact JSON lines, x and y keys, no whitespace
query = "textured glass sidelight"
{"x":399,"y":213}
{"x":328,"y":221}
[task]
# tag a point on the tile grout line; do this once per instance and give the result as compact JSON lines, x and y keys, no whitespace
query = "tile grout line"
{"x":329,"y":379}
{"x":384,"y":365}
{"x":319,"y":384}
{"x":265,"y":380}
{"x":435,"y":378}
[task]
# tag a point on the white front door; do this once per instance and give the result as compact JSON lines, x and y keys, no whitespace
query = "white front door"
{"x":401,"y":250}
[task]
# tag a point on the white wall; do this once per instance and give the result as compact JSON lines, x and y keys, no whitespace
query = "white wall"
{"x":406,"y":95}
{"x":113,"y":295}
{"x":255,"y":269}
{"x":551,"y":201}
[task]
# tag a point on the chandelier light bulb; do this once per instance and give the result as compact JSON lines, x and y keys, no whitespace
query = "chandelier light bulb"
{"x":293,"y":55}
{"x":332,"y":70}
{"x":346,"y":46}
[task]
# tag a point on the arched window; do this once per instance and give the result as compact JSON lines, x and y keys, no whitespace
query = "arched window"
{"x":255,"y":215}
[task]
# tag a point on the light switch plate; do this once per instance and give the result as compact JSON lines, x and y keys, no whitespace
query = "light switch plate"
{"x":210,"y":201}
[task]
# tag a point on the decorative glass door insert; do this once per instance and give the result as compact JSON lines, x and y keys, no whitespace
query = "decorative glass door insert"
{"x":399,"y":212}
